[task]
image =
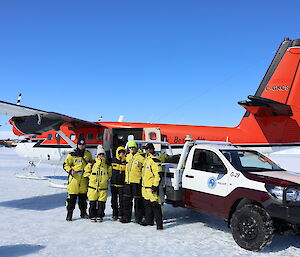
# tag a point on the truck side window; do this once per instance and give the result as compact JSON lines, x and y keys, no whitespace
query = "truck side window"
{"x":209,"y":161}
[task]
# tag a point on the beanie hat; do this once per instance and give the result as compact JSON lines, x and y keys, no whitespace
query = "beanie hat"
{"x":100,"y":149}
{"x":149,"y":146}
{"x":81,"y":141}
{"x":132,"y":144}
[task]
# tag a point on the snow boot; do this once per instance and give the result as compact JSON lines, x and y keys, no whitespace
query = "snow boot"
{"x":69,"y":216}
{"x":114,"y":218}
{"x":99,"y":219}
{"x":84,"y":215}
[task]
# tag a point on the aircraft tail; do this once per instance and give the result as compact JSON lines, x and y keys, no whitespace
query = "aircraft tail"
{"x":275,"y":107}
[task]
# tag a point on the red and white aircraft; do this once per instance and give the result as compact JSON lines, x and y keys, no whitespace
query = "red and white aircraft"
{"x":271,"y":121}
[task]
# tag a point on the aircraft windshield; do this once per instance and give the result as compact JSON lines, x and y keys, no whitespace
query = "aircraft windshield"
{"x":244,"y":160}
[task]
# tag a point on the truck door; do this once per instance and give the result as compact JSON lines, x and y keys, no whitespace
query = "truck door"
{"x":205,"y":181}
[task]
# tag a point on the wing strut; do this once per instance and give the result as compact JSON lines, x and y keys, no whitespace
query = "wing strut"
{"x":65,"y":137}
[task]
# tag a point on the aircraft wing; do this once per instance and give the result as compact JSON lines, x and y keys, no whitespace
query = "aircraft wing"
{"x":28,"y":120}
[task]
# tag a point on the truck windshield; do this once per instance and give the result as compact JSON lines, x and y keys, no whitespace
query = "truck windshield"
{"x":248,"y":160}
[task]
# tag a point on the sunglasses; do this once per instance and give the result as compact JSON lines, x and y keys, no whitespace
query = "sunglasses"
{"x":100,"y":153}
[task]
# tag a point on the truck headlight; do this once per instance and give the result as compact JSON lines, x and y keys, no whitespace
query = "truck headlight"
{"x":293,"y":194}
{"x":275,"y":191}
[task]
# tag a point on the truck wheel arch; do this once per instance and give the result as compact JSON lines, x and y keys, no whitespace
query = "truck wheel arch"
{"x":239,"y":203}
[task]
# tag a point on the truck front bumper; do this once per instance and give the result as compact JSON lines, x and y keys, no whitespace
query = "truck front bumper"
{"x":289,"y":212}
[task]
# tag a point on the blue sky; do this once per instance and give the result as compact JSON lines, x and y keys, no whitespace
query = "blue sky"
{"x":180,"y":62}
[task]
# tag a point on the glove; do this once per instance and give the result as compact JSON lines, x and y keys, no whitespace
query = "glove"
{"x":154,"y":189}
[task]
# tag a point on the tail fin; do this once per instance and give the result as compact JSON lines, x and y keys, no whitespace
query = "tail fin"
{"x":275,"y":107}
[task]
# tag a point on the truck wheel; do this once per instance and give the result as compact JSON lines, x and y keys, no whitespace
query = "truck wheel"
{"x":252,"y":227}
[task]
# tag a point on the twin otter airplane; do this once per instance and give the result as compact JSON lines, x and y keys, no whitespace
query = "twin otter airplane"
{"x":271,"y":121}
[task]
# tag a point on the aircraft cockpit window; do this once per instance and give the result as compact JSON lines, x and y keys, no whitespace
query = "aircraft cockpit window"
{"x":72,"y":137}
{"x":90,"y":136}
{"x":100,"y":136}
{"x":49,"y":137}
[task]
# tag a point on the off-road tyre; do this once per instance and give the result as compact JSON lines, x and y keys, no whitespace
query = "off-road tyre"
{"x":252,"y":227}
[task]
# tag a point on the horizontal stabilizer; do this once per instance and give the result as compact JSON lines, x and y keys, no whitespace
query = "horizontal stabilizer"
{"x":263,"y":107}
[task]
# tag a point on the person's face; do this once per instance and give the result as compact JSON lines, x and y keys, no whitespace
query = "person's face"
{"x":81,"y":147}
{"x":133,"y":149}
{"x":149,"y":150}
{"x":100,"y":155}
{"x":122,"y":154}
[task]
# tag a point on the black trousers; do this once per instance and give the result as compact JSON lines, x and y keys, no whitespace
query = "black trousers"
{"x":153,"y":212}
{"x":71,"y":202}
{"x":157,"y":211}
{"x":117,"y":195}
{"x":96,"y":209}
{"x":149,"y":215}
{"x":133,"y":191}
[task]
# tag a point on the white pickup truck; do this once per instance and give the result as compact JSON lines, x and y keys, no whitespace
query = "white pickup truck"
{"x":244,"y":187}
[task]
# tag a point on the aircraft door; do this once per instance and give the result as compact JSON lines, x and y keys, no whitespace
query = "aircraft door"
{"x":106,"y":140}
{"x":153,"y":134}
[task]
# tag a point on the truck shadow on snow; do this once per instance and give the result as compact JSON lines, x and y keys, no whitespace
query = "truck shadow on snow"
{"x":174,"y":217}
{"x":19,"y":249}
{"x":37,"y":203}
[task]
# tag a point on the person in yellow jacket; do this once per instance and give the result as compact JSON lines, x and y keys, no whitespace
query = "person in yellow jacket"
{"x":150,"y":182}
{"x":98,"y":173}
{"x":77,"y":185}
{"x":117,"y":182}
{"x":132,"y":188}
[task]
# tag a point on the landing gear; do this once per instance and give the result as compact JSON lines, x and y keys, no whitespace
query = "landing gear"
{"x":30,"y":172}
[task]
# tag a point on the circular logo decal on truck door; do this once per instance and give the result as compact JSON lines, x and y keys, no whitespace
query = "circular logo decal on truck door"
{"x":212,"y":182}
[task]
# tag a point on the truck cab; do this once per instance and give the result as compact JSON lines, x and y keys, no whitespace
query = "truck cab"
{"x":244,"y":187}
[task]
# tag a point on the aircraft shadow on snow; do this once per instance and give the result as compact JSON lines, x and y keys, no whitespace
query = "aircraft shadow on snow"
{"x":37,"y":203}
{"x":58,"y":177}
{"x":19,"y":249}
{"x":180,"y":216}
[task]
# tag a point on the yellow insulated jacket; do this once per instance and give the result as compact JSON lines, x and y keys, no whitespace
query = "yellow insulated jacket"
{"x":133,"y":169}
{"x":77,"y":161}
{"x":118,"y":169}
{"x":151,"y":170}
{"x":98,"y":173}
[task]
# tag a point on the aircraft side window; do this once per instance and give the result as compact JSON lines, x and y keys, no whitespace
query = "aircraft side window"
{"x":209,"y":161}
{"x":152,"y":136}
{"x":90,"y":136}
{"x":57,"y":137}
{"x":49,"y":137}
{"x":100,"y":136}
{"x":80,"y":136}
{"x":72,"y":137}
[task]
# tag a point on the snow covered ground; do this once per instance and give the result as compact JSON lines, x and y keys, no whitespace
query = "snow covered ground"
{"x":33,"y":224}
